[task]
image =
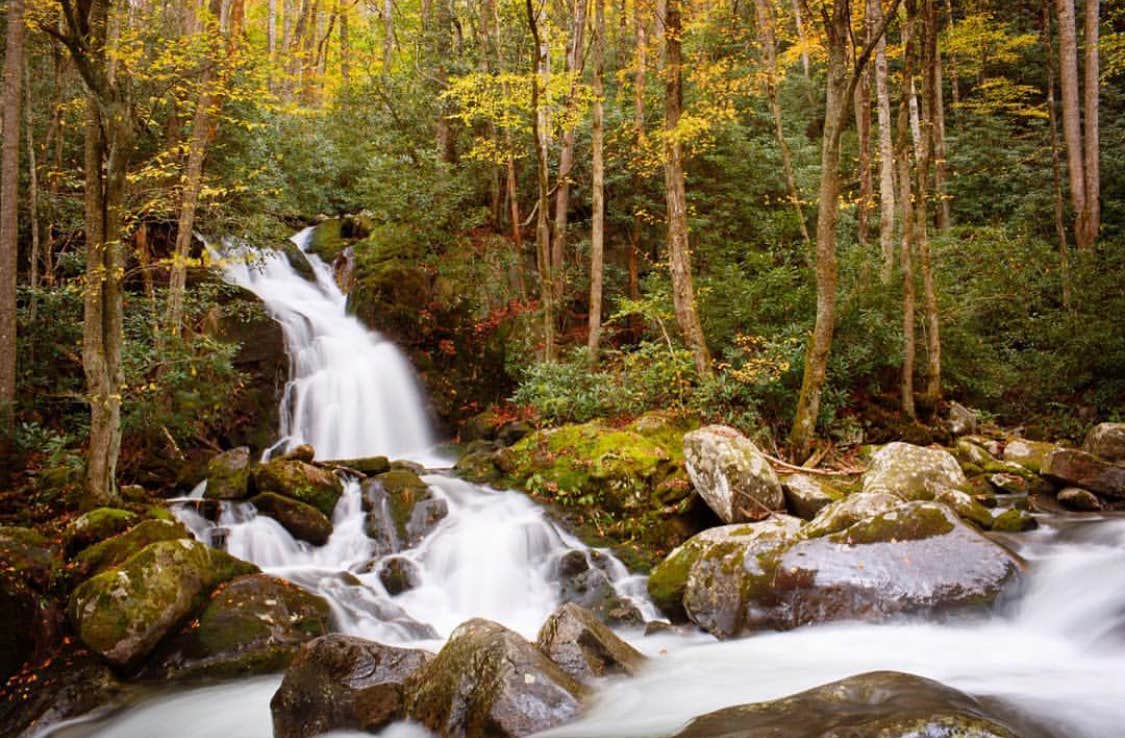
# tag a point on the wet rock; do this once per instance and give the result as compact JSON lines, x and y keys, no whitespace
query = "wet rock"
{"x":964,"y":505}
{"x":584,"y":647}
{"x":228,"y":475}
{"x":1028,"y":454}
{"x":1014,"y":520}
{"x":513,"y":432}
{"x":124,"y":612}
{"x":883,"y":703}
{"x":398,"y":575}
{"x":484,"y":426}
{"x":847,"y":512}
{"x":339,"y":682}
{"x":918,"y":558}
{"x":113,"y":551}
{"x":1011,"y":484}
{"x":62,"y":686}
{"x":1081,"y":500}
{"x":805,"y":495}
{"x":590,"y":587}
{"x":489,"y":682}
{"x":962,"y":420}
{"x":1107,"y":442}
{"x":403,"y":507}
{"x":303,"y":482}
{"x":475,"y":463}
{"x":304,"y":522}
{"x":95,"y":525}
{"x":304,"y":452}
{"x":731,"y":474}
{"x":912,"y":472}
{"x":1073,"y":468}
{"x":252,"y":624}
{"x":369,"y":466}
{"x":668,"y":582}
{"x":973,"y":454}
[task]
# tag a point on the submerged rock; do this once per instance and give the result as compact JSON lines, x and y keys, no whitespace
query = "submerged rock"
{"x":886,"y":704}
{"x":488,"y":682}
{"x":368,"y":466}
{"x":304,"y":522}
{"x":584,"y":647}
{"x":403,"y":509}
{"x":731,"y":474}
{"x":228,"y":475}
{"x":913,"y":472}
{"x":124,"y":612}
{"x":590,"y":587}
{"x":1107,"y":442}
{"x":339,"y":682}
{"x":1071,"y":467}
{"x":398,"y":574}
{"x":303,"y":482}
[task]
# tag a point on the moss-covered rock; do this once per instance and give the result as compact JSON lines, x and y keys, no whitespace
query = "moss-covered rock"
{"x":964,"y":505}
{"x":584,"y":581}
{"x":884,"y":704}
{"x":805,"y":495}
{"x":306,"y":483}
{"x":252,"y":624}
{"x":1078,"y":499}
{"x":96,"y":525}
{"x":340,"y":682}
{"x":1107,"y":442}
{"x":850,"y":510}
{"x":29,"y":566}
{"x":124,"y":612}
{"x":113,"y":551}
{"x":1026,"y":453}
{"x":304,"y":522}
{"x":401,"y":504}
{"x":912,"y":472}
{"x":584,"y":647}
{"x":1014,"y":520}
{"x":732,"y":475}
{"x":368,"y":466}
{"x":1071,"y":467}
{"x":488,"y":682}
{"x":476,"y":463}
{"x":228,"y":475}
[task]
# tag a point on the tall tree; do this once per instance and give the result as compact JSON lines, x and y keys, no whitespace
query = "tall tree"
{"x":542,"y":225}
{"x":840,"y":84}
{"x":597,"y":230}
{"x":9,"y":211}
{"x":1081,"y":150}
{"x":575,"y":60}
{"x":1092,"y":143}
{"x":679,"y":253}
{"x":1056,"y":158}
{"x":928,"y":49}
{"x":886,"y":154}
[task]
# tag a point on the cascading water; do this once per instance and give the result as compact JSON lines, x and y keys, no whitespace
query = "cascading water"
{"x":1056,"y":656}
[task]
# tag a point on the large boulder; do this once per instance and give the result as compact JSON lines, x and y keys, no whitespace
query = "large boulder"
{"x":116,"y":549}
{"x":732,"y":475}
{"x":584,"y":647}
{"x":96,"y":525}
{"x":252,"y":624}
{"x":340,"y":682}
{"x":124,"y":612}
{"x":304,"y":522}
{"x":228,"y":475}
{"x":1073,"y":468}
{"x":584,"y":580}
{"x":488,"y":682}
{"x":306,"y":483}
{"x":805,"y":495}
{"x":67,"y":684}
{"x":402,"y":510}
{"x":886,"y":704}
{"x":1028,"y":454}
{"x":847,"y":512}
{"x":669,"y":580}
{"x":1081,"y":500}
{"x":913,"y":472}
{"x":1107,"y":442}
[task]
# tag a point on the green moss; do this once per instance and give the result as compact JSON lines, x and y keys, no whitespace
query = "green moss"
{"x":303,"y":482}
{"x":115,"y":550}
{"x":327,"y":240}
{"x":1014,"y":521}
{"x":908,"y":523}
{"x":96,"y":525}
{"x":668,"y":581}
{"x":404,"y":490}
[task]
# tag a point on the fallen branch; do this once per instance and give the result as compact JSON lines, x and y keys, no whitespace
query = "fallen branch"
{"x":822,"y":472}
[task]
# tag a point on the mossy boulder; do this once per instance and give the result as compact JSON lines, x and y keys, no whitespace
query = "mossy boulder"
{"x":806,"y":495}
{"x":732,"y":475}
{"x":488,"y":682}
{"x":402,"y":507}
{"x":368,"y":466}
{"x":850,"y":510}
{"x":1026,"y":453}
{"x":339,"y":682}
{"x":303,"y":482}
{"x":115,"y":550}
{"x":96,"y":525}
{"x":228,"y":475}
{"x":1078,"y":499}
{"x":476,"y":462}
{"x":252,"y":624}
{"x":67,"y":684}
{"x":583,"y":580}
{"x":124,"y":612}
{"x":1013,"y":520}
{"x":1074,"y":468}
{"x":884,"y":703}
{"x":964,"y":505}
{"x":574,"y":639}
{"x":304,"y":522}
{"x":1107,"y":442}
{"x":913,"y":472}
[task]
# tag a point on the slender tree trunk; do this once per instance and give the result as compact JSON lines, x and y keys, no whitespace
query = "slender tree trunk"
{"x":886,"y":154}
{"x":640,"y":73}
{"x":929,"y":289}
{"x":1056,"y":160}
{"x":764,"y":14}
{"x":862,"y":102}
{"x":800,"y":23}
{"x":1091,"y":224}
{"x":542,"y":225}
{"x":442,"y":49}
{"x":941,"y":174}
{"x":597,"y":233}
{"x":954,"y":83}
{"x":9,"y":213}
{"x":388,"y":35}
{"x":345,"y":46}
{"x":32,"y":194}
{"x":679,"y":253}
{"x":903,"y":154}
{"x":1072,"y":129}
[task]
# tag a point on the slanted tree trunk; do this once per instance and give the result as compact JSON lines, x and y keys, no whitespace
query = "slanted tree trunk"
{"x":597,"y":229}
{"x":886,"y":154}
{"x":388,"y":35}
{"x":9,"y":213}
{"x":1091,"y":224}
{"x":345,"y":46}
{"x":679,"y":254}
{"x":1056,"y":160}
{"x":542,"y":224}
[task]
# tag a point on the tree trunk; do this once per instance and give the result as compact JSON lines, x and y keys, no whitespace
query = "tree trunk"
{"x":32,"y":195}
{"x":1056,"y":160}
{"x":903,"y":154}
{"x":1072,"y":130}
{"x":542,"y":225}
{"x":862,"y":102}
{"x":639,"y":79}
{"x":345,"y":47}
{"x":597,"y":232}
{"x":388,"y":35}
{"x":773,"y":76}
{"x":929,"y":289}
{"x":442,"y":49}
{"x":1091,"y":224}
{"x":801,"y":37}
{"x":954,"y":83}
{"x":886,"y":154}
{"x":9,"y":213}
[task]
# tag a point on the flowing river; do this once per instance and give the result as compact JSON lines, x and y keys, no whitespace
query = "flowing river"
{"x":1055,"y":657}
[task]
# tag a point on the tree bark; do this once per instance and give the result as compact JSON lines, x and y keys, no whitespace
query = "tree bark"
{"x":925,"y":162}
{"x":941,"y":174}
{"x":1072,"y":129}
{"x":542,"y":224}
{"x":801,"y":37}
{"x":862,"y":102}
{"x":597,"y":232}
{"x":32,"y":195}
{"x":903,"y":154}
{"x":1056,"y":160}
{"x":640,"y":72}
{"x":9,"y":213}
{"x":679,"y":254}
{"x":1091,"y":224}
{"x":345,"y":46}
{"x":886,"y":154}
{"x":388,"y":35}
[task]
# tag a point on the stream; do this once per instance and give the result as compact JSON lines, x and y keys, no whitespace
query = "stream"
{"x":1055,"y":656}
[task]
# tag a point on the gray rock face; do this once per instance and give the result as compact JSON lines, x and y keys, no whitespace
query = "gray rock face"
{"x":732,"y":475}
{"x":228,"y":474}
{"x":913,"y":472}
{"x":962,"y":420}
{"x":1071,"y":467}
{"x":339,"y":682}
{"x":886,"y":704}
{"x":1107,"y":442}
{"x":805,"y":495}
{"x":488,"y":682}
{"x":584,"y":647}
